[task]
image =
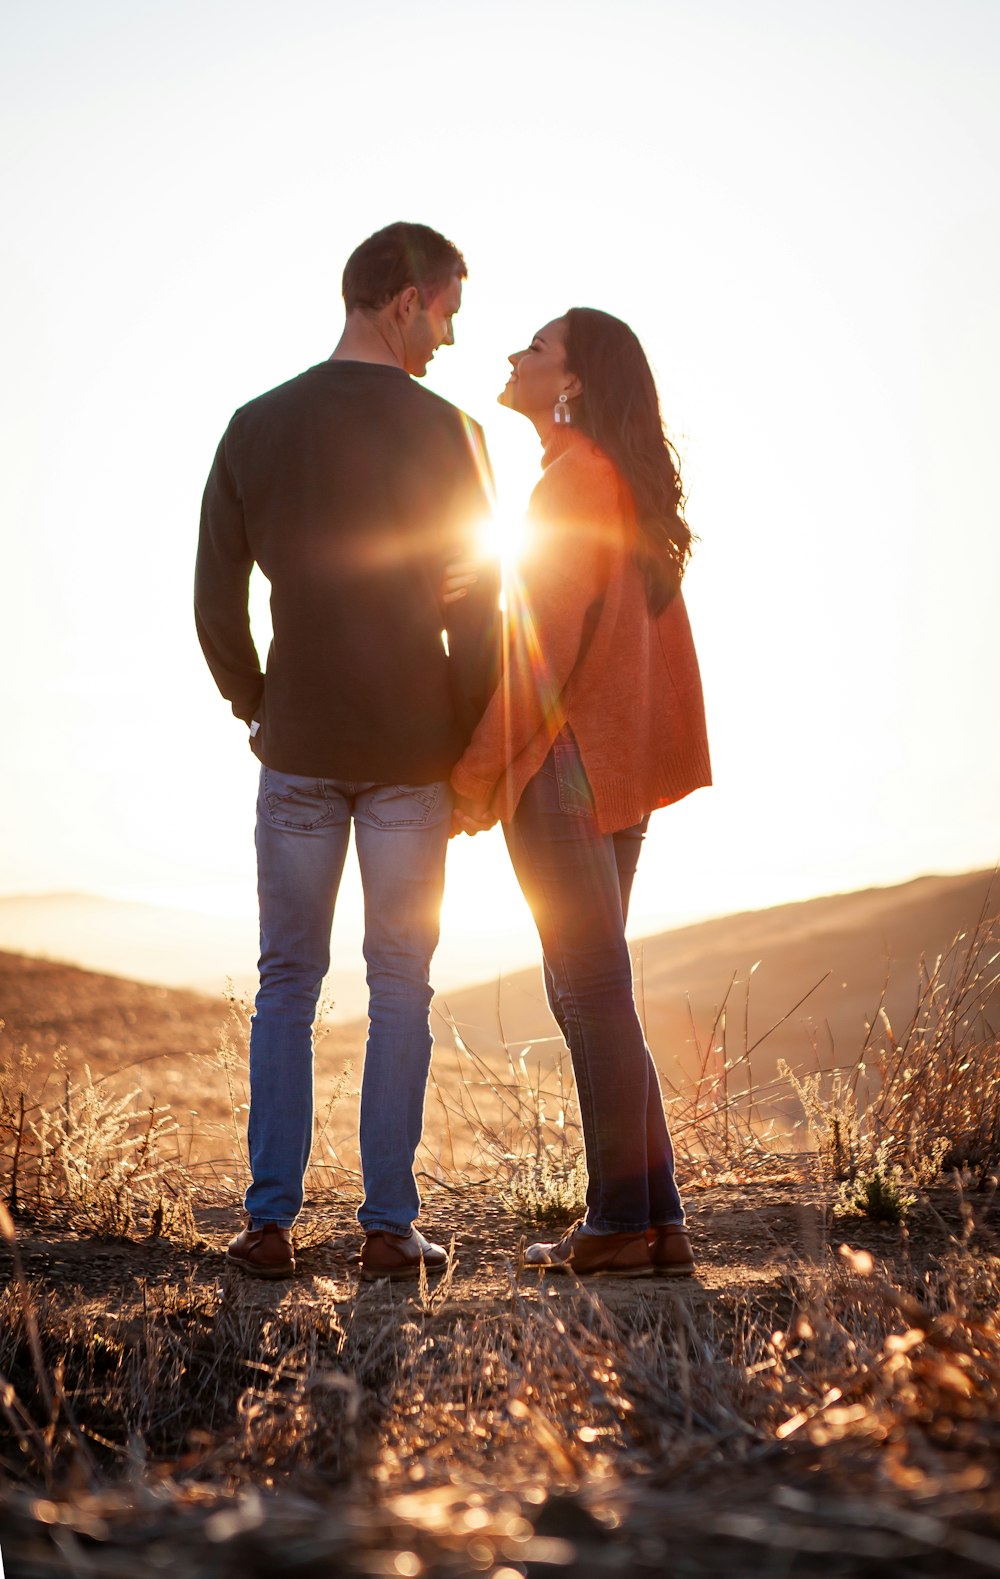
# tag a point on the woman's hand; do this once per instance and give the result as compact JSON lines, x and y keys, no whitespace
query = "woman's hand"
{"x":459,"y":576}
{"x":469,"y":816}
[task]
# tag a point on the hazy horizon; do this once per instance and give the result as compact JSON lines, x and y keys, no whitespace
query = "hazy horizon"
{"x":142,"y":943}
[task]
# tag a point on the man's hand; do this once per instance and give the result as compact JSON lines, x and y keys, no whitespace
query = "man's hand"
{"x":459,"y":576}
{"x":469,"y":816}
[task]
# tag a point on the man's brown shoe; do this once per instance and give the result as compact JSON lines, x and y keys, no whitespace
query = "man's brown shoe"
{"x":670,"y":1250}
{"x":264,"y":1252}
{"x":593,"y":1255}
{"x":399,"y":1256}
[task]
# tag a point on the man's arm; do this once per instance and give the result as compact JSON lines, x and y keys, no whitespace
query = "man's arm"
{"x":221,"y":584}
{"x":473,"y":621}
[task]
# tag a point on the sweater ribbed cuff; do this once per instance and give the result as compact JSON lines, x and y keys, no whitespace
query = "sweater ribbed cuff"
{"x":470,"y":786}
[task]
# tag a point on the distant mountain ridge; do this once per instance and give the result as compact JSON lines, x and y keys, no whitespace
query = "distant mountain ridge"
{"x":148,"y":943}
{"x":838,"y":952}
{"x":835,"y":953}
{"x":853,"y":940}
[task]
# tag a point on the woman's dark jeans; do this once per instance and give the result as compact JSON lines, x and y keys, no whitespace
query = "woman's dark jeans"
{"x":577,"y":882}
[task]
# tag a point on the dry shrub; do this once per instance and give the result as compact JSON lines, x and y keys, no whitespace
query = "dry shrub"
{"x":716,"y":1108}
{"x":937,"y":1085}
{"x":546,"y":1189}
{"x":534,"y":1149}
{"x":88,"y":1156}
{"x":530,"y":1145}
{"x":921,"y":1101}
{"x":878,"y":1191}
{"x":830,"y":1106}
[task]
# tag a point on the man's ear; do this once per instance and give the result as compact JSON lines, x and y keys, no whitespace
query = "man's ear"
{"x":408,"y":304}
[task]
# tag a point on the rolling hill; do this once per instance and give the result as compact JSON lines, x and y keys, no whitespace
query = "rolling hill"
{"x":816,"y":973}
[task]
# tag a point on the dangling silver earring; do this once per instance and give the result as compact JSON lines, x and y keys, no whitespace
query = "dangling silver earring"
{"x":561,"y":413}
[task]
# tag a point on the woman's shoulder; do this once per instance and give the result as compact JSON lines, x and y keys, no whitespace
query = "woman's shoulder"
{"x":579,"y":477}
{"x":578,"y":518}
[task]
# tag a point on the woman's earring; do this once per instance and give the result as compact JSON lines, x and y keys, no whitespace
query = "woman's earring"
{"x":561,"y":413}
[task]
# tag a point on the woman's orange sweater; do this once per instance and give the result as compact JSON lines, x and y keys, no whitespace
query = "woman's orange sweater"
{"x":582,"y":649}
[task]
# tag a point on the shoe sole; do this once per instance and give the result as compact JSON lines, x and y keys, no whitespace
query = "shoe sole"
{"x":259,"y":1271}
{"x":675,"y":1271}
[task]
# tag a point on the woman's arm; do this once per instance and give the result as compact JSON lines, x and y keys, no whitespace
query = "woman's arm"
{"x":573,"y":522}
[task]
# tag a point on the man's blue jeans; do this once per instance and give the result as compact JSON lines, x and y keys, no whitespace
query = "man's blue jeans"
{"x":303,"y":832}
{"x":577,"y":882}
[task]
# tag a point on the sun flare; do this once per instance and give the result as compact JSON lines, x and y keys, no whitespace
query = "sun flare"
{"x":503,"y":536}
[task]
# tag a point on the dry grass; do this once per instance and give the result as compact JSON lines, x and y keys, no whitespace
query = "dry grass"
{"x":521,"y":1126}
{"x":926,"y":1099}
{"x":842,"y":1418}
{"x":88,"y":1154}
{"x":867,"y":1420}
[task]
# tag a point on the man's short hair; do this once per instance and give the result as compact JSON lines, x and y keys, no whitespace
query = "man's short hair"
{"x":398,"y":256}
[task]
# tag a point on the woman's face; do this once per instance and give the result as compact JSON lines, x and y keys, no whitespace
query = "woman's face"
{"x":539,"y":374}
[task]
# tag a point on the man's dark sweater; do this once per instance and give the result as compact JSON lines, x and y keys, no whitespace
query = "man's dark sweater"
{"x":351,"y":487}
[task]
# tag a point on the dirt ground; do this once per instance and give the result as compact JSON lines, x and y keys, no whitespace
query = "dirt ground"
{"x":748,"y":1239}
{"x":747,"y":1235}
{"x":420,"y":1480}
{"x":757,"y":1247}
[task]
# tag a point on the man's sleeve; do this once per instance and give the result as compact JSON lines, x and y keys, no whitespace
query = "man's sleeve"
{"x":473,"y":622}
{"x":221,"y":584}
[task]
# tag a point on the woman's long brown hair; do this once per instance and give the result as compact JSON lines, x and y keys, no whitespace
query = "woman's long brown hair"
{"x":620,"y":410}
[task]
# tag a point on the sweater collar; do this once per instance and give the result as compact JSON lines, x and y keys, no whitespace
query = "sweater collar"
{"x":561,"y":438}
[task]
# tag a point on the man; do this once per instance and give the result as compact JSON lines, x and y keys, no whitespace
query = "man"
{"x":352,"y":488}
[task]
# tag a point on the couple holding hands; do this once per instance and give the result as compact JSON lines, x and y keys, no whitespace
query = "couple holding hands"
{"x":569,"y":720}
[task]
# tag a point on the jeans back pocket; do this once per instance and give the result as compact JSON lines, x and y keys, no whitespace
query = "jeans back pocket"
{"x":406,"y":805}
{"x":575,"y":794}
{"x":293,"y":801}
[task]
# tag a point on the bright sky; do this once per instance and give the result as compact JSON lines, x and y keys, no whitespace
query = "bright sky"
{"x":795,"y":206}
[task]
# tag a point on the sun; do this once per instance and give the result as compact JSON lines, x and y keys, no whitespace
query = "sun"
{"x":502,"y":536}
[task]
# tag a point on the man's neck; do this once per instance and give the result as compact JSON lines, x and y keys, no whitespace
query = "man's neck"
{"x":366,"y":340}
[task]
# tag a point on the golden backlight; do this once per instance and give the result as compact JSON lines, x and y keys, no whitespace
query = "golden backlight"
{"x":503,"y":536}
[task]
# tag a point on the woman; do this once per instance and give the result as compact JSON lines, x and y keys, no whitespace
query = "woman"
{"x":598,"y":721}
